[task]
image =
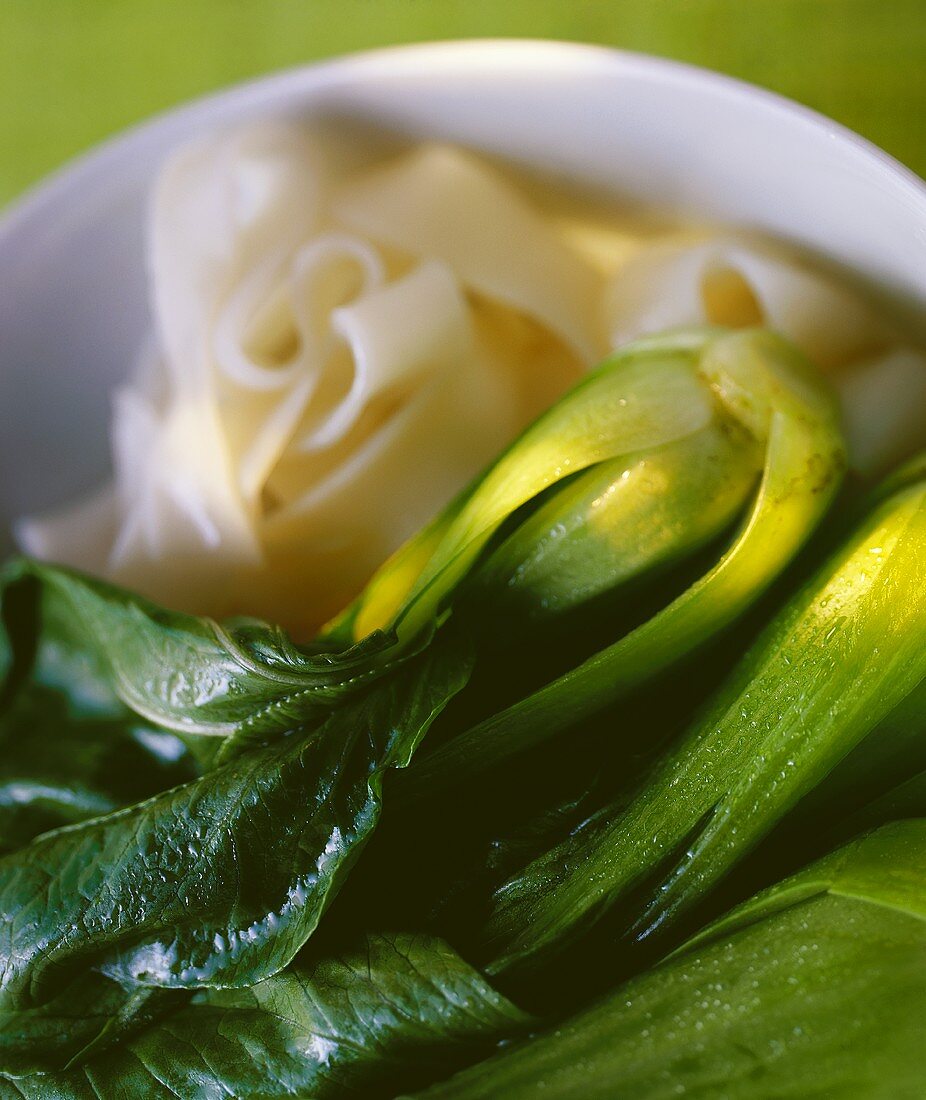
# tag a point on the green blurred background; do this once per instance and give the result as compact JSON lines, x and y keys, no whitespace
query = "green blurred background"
{"x":74,"y":71}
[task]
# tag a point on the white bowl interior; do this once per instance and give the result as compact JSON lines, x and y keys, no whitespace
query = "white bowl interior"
{"x":73,"y":301}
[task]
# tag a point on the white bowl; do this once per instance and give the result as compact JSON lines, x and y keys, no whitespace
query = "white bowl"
{"x":72,"y":280}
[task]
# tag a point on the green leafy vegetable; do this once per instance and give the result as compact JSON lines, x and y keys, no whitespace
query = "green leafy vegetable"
{"x":839,"y":664}
{"x":181,"y":672}
{"x":183,"y":800}
{"x":69,"y":749}
{"x":395,"y":1013}
{"x":816,"y":987}
{"x":220,"y":881}
{"x":58,"y":767}
{"x":92,"y":1013}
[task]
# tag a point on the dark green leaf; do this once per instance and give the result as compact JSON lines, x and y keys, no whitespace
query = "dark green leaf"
{"x":178,"y":671}
{"x":58,"y":766}
{"x":220,"y":881}
{"x":87,"y":1016}
{"x":394,"y":1014}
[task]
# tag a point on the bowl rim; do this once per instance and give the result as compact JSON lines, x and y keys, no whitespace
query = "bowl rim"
{"x":98,"y":159}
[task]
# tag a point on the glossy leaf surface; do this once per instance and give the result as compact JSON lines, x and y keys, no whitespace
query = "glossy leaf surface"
{"x":399,"y":1010}
{"x":220,"y":881}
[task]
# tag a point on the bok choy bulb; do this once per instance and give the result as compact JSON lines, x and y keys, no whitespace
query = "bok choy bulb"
{"x":619,"y":523}
{"x":709,"y":426}
{"x":649,"y":458}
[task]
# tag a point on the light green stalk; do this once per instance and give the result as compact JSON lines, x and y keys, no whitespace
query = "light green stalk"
{"x":833,"y":672}
{"x":815,"y":987}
